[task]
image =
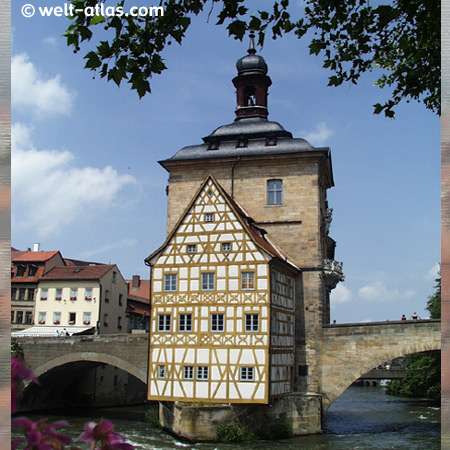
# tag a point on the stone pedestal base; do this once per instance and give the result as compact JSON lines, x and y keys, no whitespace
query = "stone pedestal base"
{"x":295,"y":414}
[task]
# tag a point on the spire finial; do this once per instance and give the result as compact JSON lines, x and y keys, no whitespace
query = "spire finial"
{"x":251,"y":49}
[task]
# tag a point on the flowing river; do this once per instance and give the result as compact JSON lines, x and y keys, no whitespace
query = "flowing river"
{"x":363,"y":418}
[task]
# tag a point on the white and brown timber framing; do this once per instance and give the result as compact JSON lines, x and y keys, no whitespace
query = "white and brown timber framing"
{"x":264,"y":355}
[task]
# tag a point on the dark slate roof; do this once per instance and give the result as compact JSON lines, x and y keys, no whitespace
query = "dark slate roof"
{"x":256,"y":131}
{"x":78,"y":272}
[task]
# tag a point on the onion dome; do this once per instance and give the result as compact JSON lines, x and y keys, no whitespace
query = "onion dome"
{"x":251,"y":63}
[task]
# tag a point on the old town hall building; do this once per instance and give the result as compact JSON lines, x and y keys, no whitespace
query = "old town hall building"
{"x":241,"y":287}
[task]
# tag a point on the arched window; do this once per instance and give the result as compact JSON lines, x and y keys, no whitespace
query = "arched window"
{"x":275,"y":192}
{"x":249,"y":96}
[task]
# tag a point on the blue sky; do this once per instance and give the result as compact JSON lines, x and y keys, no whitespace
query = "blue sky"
{"x":86,"y":179}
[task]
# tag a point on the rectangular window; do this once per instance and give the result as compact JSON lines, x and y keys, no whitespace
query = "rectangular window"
{"x":119,"y":322}
{"x":217,"y":322}
{"x":105,"y":320}
{"x":13,"y":293}
{"x":19,"y":317}
{"x":31,"y":292}
{"x":32,"y":271}
{"x":106,"y":296}
{"x":202,"y":372}
{"x":44,"y":294}
{"x":22,"y":294}
{"x":207,"y":281}
{"x":188,"y":372}
{"x":42,"y":318}
{"x":274,"y":192}
{"x":86,"y":318}
{"x":88,"y":294}
{"x":28,"y":317}
{"x":252,"y":322}
{"x":247,"y":374}
{"x":164,"y":323}
{"x":20,"y":270}
{"x":185,"y":322}
{"x":58,"y":295}
{"x":12,"y":316}
{"x":192,"y":248}
{"x":226,"y":247}
{"x":72,"y":318}
{"x":120,"y":299}
{"x":170,"y":282}
{"x":161,"y":371}
{"x":209,"y":217}
{"x":247,"y":281}
{"x":56,"y":318}
{"x":114,"y":277}
{"x":73,"y":293}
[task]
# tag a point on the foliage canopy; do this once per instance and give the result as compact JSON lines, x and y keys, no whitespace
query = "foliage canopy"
{"x":400,"y":37}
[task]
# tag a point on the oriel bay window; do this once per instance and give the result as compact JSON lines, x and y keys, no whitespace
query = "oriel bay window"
{"x":274,"y":192}
{"x":170,"y":282}
{"x":217,"y":322}
{"x":185,"y":322}
{"x":164,"y":323}
{"x":248,"y":280}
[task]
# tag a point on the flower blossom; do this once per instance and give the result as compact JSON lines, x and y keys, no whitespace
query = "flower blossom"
{"x":19,"y":372}
{"x":104,"y":433}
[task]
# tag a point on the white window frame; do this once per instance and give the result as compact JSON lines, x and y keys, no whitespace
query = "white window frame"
{"x":251,"y":323}
{"x":44,"y":294}
{"x":42,"y":318}
{"x":56,"y":318}
{"x":73,"y":293}
{"x":170,"y":282}
{"x":202,"y":373}
{"x":164,"y":323}
{"x":217,"y":322}
{"x":185,"y":323}
{"x":72,"y":322}
{"x":247,"y":374}
{"x":188,"y":372}
{"x":87,"y":318}
{"x":161,"y":372}
{"x":246,"y":277}
{"x":208,"y":281}
{"x":209,"y":217}
{"x":58,"y":294}
{"x":192,"y":248}
{"x":275,"y":192}
{"x":88,"y":294}
{"x":226,"y":246}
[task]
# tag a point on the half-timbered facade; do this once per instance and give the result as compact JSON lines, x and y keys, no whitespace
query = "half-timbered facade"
{"x":222,"y":308}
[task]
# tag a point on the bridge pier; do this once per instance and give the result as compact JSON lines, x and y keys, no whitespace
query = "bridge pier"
{"x":293,"y":414}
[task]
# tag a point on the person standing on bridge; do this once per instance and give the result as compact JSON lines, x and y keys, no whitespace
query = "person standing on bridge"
{"x":414,"y":316}
{"x":403,"y":317}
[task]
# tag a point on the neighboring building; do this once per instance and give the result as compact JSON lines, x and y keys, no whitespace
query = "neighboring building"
{"x":27,"y":267}
{"x":222,"y":324}
{"x":245,"y":329}
{"x":138,"y":304}
{"x":82,"y":299}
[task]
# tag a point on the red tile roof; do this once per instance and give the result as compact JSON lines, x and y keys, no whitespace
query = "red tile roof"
{"x":29,"y":256}
{"x":142,"y":293}
{"x":78,"y":272}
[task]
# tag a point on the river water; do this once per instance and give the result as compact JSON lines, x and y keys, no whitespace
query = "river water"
{"x":363,"y":418}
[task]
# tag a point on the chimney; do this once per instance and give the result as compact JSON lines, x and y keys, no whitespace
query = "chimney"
{"x":36,"y":247}
{"x":136,"y":282}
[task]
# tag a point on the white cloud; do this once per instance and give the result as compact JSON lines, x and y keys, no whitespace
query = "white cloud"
{"x":31,"y":91}
{"x":433,"y":273}
{"x":341,"y":294}
{"x":319,"y":136}
{"x":50,"y":193}
{"x":378,"y":291}
{"x":50,"y":40}
{"x":106,"y":248}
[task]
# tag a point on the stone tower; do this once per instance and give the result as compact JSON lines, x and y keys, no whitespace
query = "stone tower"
{"x":282,"y":183}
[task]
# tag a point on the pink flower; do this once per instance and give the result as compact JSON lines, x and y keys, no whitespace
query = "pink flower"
{"x":18,"y":372}
{"x":41,"y":436}
{"x":103,"y":432}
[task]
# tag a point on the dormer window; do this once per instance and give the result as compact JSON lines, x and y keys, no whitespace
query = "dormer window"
{"x":213,"y":145}
{"x":20,"y":270}
{"x":242,"y":143}
{"x":271,"y":141}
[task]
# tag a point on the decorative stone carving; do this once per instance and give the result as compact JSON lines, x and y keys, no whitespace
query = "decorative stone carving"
{"x":333,"y":273}
{"x":327,"y":220}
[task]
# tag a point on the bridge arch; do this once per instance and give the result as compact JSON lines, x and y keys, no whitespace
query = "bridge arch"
{"x":348,"y":352}
{"x":101,"y":358}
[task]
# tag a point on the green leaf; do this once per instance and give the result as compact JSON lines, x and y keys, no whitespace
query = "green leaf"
{"x":97,"y":19}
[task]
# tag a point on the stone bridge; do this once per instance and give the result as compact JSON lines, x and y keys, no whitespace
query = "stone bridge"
{"x":347,"y":351}
{"x":350,"y":350}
